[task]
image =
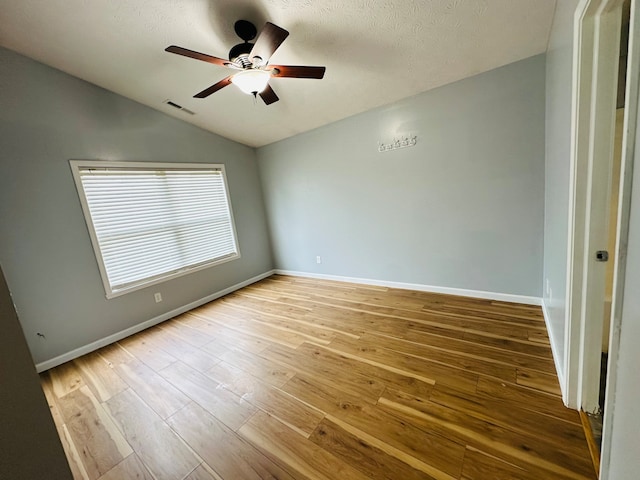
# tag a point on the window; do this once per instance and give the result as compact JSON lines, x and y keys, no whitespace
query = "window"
{"x":149,"y":222}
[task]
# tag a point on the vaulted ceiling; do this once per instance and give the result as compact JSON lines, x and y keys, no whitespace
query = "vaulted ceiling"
{"x":375,"y":51}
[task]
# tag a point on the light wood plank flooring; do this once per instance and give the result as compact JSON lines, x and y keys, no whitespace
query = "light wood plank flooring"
{"x":294,"y":378}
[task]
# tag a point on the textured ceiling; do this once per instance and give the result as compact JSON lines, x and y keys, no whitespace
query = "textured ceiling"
{"x":375,"y":51}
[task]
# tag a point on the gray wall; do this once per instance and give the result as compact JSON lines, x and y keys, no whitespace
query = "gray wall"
{"x":47,"y":118}
{"x":557,"y":158}
{"x":29,"y":444}
{"x":462,"y":209}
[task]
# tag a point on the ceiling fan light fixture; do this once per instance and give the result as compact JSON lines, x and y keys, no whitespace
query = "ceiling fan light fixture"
{"x":251,"y":81}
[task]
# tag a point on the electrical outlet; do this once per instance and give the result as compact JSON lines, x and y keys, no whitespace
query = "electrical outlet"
{"x":157,"y":297}
{"x":318,"y":259}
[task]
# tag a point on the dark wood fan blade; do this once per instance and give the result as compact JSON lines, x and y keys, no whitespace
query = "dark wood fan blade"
{"x":268,"y":95}
{"x":213,"y":88}
{"x":197,"y":55}
{"x":293,"y":71}
{"x":270,"y":38}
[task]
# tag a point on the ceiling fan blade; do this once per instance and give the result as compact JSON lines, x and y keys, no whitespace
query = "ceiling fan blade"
{"x":270,"y":38}
{"x":213,"y":88}
{"x":268,"y":95}
{"x":293,"y":71}
{"x":185,"y":52}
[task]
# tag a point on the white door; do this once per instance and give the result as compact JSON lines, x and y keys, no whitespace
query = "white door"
{"x":597,"y":45}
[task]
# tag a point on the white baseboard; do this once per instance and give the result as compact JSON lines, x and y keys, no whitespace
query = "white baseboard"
{"x":554,"y":351}
{"x":502,"y":297}
{"x":78,"y":352}
{"x":103,"y":342}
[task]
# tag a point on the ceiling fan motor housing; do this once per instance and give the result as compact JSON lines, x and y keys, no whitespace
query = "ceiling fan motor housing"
{"x":240,"y":54}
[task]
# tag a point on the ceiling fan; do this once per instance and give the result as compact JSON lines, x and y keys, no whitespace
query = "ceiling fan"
{"x":251,"y":60}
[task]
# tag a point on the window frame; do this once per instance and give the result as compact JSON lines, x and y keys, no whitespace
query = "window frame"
{"x":77,"y":165}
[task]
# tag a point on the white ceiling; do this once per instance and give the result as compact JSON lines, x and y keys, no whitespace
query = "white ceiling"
{"x":375,"y":51}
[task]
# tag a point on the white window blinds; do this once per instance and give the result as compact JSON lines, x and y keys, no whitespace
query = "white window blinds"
{"x":152,"y":222}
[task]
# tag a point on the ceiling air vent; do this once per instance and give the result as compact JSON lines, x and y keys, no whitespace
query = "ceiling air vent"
{"x":179,"y":107}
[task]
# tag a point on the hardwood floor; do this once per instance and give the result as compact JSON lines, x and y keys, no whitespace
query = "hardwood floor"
{"x":294,"y":378}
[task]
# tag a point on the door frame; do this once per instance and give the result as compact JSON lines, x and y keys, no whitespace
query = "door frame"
{"x":595,"y":67}
{"x":629,"y":140}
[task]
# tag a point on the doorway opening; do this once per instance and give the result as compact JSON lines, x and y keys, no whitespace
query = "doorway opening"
{"x":599,"y":145}
{"x":595,"y":418}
